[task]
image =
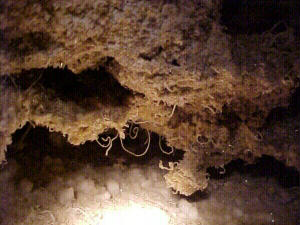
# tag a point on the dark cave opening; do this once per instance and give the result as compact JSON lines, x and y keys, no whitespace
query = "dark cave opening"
{"x":266,"y":166}
{"x":31,"y":146}
{"x":284,"y":113}
{"x":257,"y":16}
{"x":85,"y":89}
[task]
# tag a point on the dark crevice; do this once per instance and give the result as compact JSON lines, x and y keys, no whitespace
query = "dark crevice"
{"x":175,"y":62}
{"x":230,"y":120}
{"x":257,"y":16}
{"x":151,"y":54}
{"x":196,"y":196}
{"x":29,"y":150}
{"x":27,"y":44}
{"x":284,"y":113}
{"x":88,"y":87}
{"x":266,"y":166}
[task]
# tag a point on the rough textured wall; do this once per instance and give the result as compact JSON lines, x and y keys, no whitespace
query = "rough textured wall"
{"x":206,"y":91}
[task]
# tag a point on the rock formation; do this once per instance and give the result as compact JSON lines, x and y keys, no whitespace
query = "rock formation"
{"x":173,"y":67}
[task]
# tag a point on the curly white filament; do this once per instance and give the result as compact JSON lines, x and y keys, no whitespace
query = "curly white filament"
{"x":109,"y":144}
{"x":133,"y":132}
{"x":174,"y":107}
{"x":165,"y":152}
{"x":137,"y":155}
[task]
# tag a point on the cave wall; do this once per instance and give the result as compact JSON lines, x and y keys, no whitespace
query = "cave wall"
{"x":183,"y":69}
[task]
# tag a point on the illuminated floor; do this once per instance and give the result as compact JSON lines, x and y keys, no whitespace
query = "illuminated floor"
{"x":82,"y":195}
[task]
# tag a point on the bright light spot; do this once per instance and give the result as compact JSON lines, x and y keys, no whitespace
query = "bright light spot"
{"x":135,"y":215}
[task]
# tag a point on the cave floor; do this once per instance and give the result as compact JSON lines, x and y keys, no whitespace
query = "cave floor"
{"x":65,"y":192}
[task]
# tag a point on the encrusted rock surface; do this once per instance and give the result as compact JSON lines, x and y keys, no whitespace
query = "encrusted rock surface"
{"x":205,"y":91}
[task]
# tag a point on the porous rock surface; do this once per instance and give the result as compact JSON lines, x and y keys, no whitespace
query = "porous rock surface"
{"x":207,"y":92}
